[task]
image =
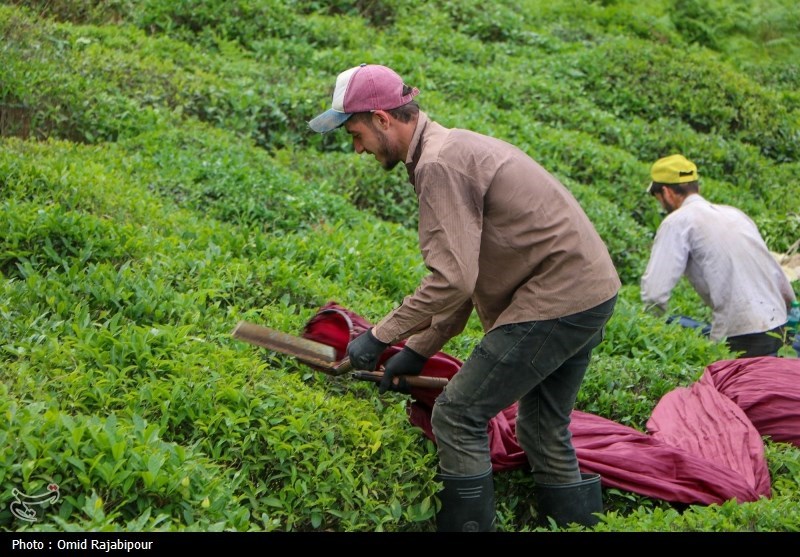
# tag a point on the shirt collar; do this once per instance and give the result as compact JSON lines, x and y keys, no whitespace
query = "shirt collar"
{"x":692,"y":198}
{"x":415,"y":146}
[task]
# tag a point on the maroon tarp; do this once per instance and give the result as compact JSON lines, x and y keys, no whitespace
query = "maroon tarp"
{"x":703,"y":443}
{"x":766,"y":388}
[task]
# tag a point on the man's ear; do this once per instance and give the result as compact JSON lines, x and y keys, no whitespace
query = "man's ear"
{"x":381,"y":119}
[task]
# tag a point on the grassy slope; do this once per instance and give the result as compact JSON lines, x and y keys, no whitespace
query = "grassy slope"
{"x":185,"y":194}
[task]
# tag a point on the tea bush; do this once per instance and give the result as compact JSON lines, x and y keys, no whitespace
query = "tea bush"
{"x":158,"y":183}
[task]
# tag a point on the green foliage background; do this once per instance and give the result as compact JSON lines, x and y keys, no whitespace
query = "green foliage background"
{"x":158,"y":183}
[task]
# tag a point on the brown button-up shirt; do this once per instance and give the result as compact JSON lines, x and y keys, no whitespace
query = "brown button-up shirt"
{"x":499,"y":234}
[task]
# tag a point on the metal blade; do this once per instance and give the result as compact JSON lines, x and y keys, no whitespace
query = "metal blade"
{"x":278,"y":341}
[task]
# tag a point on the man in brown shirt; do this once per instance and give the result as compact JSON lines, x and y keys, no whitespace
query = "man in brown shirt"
{"x":502,"y":236}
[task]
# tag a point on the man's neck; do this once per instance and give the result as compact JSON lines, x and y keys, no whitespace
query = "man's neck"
{"x":405,"y":132}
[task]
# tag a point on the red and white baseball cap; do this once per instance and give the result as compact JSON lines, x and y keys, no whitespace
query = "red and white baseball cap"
{"x":364,"y":88}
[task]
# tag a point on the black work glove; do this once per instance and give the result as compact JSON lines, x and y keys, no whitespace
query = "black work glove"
{"x":365,"y":350}
{"x":405,"y":362}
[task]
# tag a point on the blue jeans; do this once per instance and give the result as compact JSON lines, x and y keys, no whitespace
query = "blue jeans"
{"x":541,"y":364}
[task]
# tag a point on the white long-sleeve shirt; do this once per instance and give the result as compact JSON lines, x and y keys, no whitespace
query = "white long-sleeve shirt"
{"x":725,"y":259}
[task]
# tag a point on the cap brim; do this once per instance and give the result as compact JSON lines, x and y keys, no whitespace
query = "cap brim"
{"x":650,"y":188}
{"x":328,"y":121}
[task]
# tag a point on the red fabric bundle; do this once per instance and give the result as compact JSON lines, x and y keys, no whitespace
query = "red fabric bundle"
{"x":766,"y":388}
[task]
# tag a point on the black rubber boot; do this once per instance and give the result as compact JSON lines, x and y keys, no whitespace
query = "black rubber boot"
{"x":568,"y":503}
{"x":467,"y":503}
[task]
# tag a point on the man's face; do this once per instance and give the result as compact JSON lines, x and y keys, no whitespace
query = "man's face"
{"x":369,"y":138}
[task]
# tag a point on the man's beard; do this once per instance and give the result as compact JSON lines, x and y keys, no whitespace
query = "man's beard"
{"x":391,"y":157}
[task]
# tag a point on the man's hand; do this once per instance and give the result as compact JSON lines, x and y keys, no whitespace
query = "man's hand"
{"x":658,"y":310}
{"x":365,"y":350}
{"x":405,"y":362}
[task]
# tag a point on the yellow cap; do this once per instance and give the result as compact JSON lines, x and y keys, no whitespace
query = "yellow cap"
{"x":675,"y":169}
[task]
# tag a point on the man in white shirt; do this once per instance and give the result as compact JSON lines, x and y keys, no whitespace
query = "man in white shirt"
{"x":724,"y":258}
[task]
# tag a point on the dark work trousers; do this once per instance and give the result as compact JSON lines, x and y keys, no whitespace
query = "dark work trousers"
{"x":541,"y":364}
{"x":757,"y":344}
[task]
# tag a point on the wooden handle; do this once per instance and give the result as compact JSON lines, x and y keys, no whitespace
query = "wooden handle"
{"x":342,"y":367}
{"x":424,"y":382}
{"x":419,"y":381}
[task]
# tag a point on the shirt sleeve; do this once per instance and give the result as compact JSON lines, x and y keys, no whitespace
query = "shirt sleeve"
{"x":431,"y":340}
{"x":667,"y":264}
{"x":450,"y":227}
